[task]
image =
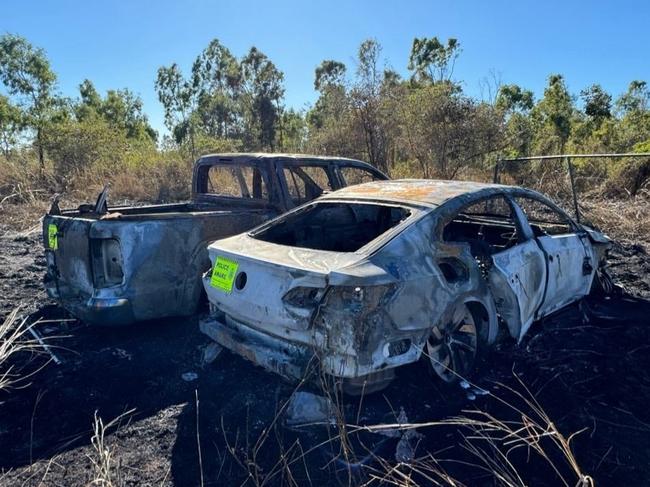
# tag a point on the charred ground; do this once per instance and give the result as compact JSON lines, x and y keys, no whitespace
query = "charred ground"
{"x":587,"y":375}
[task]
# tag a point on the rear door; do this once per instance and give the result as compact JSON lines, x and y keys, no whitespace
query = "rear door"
{"x":507,"y":255}
{"x":569,"y":256}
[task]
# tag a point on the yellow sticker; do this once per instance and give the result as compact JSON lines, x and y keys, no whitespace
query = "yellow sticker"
{"x":223,"y":274}
{"x":52,"y":236}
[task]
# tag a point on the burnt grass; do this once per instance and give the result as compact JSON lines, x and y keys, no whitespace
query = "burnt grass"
{"x":587,"y":375}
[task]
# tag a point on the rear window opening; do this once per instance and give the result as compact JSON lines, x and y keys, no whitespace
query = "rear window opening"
{"x":337,"y":227}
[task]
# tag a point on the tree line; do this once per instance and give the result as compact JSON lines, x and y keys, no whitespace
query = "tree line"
{"x":421,"y":124}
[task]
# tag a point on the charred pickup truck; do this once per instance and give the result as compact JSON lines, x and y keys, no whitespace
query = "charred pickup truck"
{"x":117,"y":265}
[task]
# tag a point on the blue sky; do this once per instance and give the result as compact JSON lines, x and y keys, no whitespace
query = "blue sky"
{"x":122,"y":44}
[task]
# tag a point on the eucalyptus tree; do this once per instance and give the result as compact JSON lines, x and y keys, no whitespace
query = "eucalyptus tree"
{"x":11,"y":124}
{"x":261,"y":95}
{"x":553,"y":116}
{"x":180,"y":101}
{"x":431,"y":60}
{"x":26,"y":73}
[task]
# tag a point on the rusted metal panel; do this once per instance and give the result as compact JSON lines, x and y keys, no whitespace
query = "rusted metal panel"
{"x":429,"y":191}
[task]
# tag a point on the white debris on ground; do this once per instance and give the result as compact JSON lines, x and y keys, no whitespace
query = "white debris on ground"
{"x":406,"y":446}
{"x":405,"y":450}
{"x":189,"y":376}
{"x":395,"y":432}
{"x":408,"y":438}
{"x":472,"y":390}
{"x":210,"y":353}
{"x":307,"y":408}
{"x":121,"y":353}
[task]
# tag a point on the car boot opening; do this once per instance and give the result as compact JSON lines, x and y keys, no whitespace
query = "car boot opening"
{"x":333,"y":226}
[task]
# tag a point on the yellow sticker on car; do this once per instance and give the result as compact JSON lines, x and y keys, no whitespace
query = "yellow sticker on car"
{"x":223,"y":274}
{"x":52,"y":236}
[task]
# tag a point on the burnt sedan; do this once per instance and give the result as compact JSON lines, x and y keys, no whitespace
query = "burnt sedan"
{"x":379,"y":275}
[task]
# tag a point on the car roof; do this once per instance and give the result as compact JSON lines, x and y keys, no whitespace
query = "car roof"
{"x":428,"y":192}
{"x":234,"y":157}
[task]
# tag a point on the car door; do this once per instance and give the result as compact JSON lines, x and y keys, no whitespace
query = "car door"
{"x":569,"y":256}
{"x":517,"y":278}
{"x":509,"y":257}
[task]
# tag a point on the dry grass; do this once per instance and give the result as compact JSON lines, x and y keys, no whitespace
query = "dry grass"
{"x":494,"y":443}
{"x":26,"y":190}
{"x":15,"y":338}
{"x":107,"y":470}
{"x":621,"y":218}
{"x":505,"y":452}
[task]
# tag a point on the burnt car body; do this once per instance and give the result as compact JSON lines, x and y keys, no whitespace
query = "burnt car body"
{"x":374,"y":276}
{"x":117,"y":265}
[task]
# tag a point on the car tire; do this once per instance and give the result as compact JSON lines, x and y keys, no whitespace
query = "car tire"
{"x":603,"y":284}
{"x":453,"y":350}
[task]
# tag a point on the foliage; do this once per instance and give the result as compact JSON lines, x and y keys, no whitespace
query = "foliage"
{"x":552,"y":117}
{"x":11,"y":124}
{"x":421,"y":126}
{"x":446,"y":131}
{"x":121,"y":109}
{"x":223,"y":98}
{"x":26,"y":73}
{"x":78,"y":145}
{"x":431,"y":60}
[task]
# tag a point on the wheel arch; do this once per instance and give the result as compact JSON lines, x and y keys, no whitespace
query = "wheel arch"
{"x":484,"y":310}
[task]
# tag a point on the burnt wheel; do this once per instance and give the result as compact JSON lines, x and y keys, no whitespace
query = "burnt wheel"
{"x":452,"y":349}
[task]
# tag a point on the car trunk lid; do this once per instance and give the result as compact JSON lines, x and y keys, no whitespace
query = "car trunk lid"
{"x":272,"y":287}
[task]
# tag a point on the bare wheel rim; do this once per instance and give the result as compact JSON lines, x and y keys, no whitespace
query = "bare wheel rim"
{"x":451,"y":348}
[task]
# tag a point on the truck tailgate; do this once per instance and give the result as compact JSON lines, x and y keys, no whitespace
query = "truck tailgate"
{"x":67,"y":252}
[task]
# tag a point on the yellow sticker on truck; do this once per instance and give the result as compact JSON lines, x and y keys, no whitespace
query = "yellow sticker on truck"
{"x":223,"y":274}
{"x":52,"y":236}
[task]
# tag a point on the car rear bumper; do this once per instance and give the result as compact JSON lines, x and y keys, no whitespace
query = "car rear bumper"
{"x":106,"y":311}
{"x":288,"y":359}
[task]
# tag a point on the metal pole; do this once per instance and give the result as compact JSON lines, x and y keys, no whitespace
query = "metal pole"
{"x":573,"y":188}
{"x":496,"y":172}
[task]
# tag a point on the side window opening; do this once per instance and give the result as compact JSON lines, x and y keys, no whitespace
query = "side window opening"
{"x":489,"y":224}
{"x":543,"y":219}
{"x":355,"y":175}
{"x":236,"y":181}
{"x":306,"y":183}
{"x":488,"y":227}
{"x":338,"y":227}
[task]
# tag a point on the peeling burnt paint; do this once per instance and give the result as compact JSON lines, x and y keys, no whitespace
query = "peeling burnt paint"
{"x":377,"y":306}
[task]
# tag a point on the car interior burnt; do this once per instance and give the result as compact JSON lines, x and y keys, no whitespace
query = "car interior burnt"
{"x":487,"y":226}
{"x":337,"y":227}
